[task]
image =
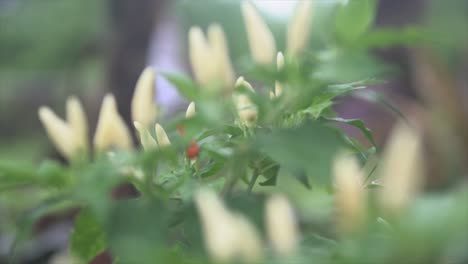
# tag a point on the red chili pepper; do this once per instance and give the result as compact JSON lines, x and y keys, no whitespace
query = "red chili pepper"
{"x":192,"y":150}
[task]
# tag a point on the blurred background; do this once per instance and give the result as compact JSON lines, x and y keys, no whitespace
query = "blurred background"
{"x":50,"y":49}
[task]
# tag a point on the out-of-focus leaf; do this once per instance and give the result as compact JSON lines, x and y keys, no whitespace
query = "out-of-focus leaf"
{"x":358,"y":123}
{"x":136,"y":230}
{"x":386,"y":37}
{"x":213,"y":112}
{"x":183,"y":84}
{"x":268,"y":168}
{"x":15,"y":174}
{"x":270,"y":173}
{"x":446,"y":23}
{"x":380,"y":99}
{"x":342,"y":68}
{"x":301,"y":176}
{"x":55,"y":46}
{"x":94,"y":187}
{"x":249,"y":205}
{"x":324,"y":101}
{"x":356,"y":147}
{"x":87,"y":238}
{"x":310,"y":147}
{"x":25,"y":222}
{"x":51,"y":173}
{"x":211,"y":168}
{"x":423,"y":235}
{"x":354,"y":18}
{"x":233,"y":130}
{"x":191,"y":228}
{"x":265,"y":74}
{"x":345,"y":88}
{"x":319,"y":105}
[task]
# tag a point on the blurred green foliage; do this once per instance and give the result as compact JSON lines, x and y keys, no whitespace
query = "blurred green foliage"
{"x":446,"y":22}
{"x":289,"y":150}
{"x":50,"y":34}
{"x":49,"y":48}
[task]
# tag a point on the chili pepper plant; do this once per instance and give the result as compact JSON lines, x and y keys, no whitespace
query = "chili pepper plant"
{"x":258,"y":170}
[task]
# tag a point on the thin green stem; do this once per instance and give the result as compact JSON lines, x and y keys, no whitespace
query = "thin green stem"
{"x":370,"y":174}
{"x":254,"y":178}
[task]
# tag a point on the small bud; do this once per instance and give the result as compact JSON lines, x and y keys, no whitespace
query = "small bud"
{"x":298,"y":28}
{"x":350,"y":194}
{"x":220,"y":54}
{"x":58,"y":131}
{"x":146,"y":140}
{"x":246,"y":110}
{"x":402,"y":169}
{"x":143,"y":105}
{"x":190,"y":110}
{"x":111,"y":131}
{"x":261,"y":40}
{"x":161,"y":136}
{"x":281,"y":225}
{"x":78,"y":124}
{"x":279,"y":66}
{"x":242,"y":82}
{"x":218,"y":227}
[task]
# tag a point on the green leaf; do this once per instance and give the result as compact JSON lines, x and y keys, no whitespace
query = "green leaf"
{"x":87,"y":238}
{"x":354,"y":18}
{"x":319,"y":105}
{"x":377,"y":98}
{"x":13,"y":174}
{"x":350,"y":67}
{"x":16,"y":169}
{"x":268,"y":168}
{"x":233,"y":130}
{"x":136,"y":230}
{"x":358,"y":123}
{"x":324,"y":101}
{"x":95,"y":184}
{"x":51,"y":173}
{"x":386,"y":37}
{"x":183,"y":84}
{"x":345,"y":88}
{"x":212,"y":167}
{"x":301,"y":176}
{"x":356,"y":147}
{"x":309,"y":148}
